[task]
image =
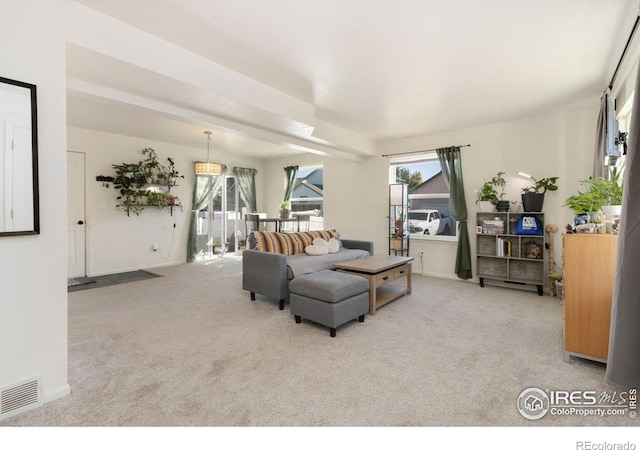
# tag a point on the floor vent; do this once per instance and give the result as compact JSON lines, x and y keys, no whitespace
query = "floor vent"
{"x":20,"y":397}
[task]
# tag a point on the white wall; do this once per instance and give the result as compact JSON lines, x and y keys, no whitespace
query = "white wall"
{"x":117,"y":242}
{"x":353,"y":200}
{"x":33,"y":291}
{"x":559,"y":144}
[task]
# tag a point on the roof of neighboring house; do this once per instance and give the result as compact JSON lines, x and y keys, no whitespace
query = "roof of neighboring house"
{"x":306,"y":184}
{"x":436,"y":182}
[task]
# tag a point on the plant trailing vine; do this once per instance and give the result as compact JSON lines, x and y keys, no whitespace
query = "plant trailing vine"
{"x":133,"y":180}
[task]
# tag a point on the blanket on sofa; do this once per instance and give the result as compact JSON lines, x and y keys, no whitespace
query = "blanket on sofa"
{"x":302,"y":264}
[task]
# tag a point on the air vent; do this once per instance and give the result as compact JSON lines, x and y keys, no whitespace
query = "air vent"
{"x":20,"y":397}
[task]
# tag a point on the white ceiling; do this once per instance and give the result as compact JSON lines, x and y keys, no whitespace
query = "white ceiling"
{"x":333,"y":76}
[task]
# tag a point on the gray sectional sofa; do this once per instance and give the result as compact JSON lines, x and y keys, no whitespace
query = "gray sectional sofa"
{"x":273,"y":259}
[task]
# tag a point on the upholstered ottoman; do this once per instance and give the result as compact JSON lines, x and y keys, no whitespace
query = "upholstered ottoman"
{"x":329,"y":298}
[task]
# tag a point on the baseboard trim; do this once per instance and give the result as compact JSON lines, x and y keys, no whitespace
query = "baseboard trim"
{"x":57,"y":393}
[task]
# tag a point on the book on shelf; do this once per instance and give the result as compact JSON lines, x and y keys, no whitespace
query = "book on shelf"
{"x":503,"y":247}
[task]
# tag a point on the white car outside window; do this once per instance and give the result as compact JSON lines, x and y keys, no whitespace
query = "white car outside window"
{"x":424,"y":221}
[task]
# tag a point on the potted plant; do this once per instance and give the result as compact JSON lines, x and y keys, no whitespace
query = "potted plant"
{"x":128,"y":181}
{"x":489,"y":197}
{"x":599,"y":194}
{"x":558,"y":285}
{"x":399,"y":223}
{"x":217,"y":243}
{"x":150,"y":167}
{"x":398,"y":238}
{"x":284,"y":209}
{"x":132,"y":182}
{"x":533,"y":196}
{"x":169,"y":174}
{"x":613,"y":190}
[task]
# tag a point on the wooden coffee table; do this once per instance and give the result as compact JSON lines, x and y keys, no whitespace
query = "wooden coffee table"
{"x":380,"y":271}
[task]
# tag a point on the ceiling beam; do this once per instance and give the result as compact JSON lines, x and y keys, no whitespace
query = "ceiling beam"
{"x":110,"y":95}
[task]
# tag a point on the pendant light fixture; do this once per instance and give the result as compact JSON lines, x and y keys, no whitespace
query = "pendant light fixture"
{"x":207,"y":168}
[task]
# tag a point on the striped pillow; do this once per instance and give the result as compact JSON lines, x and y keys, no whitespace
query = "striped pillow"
{"x":323,"y":234}
{"x":289,"y":243}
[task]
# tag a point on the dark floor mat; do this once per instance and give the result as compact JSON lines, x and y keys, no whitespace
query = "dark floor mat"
{"x":82,"y":283}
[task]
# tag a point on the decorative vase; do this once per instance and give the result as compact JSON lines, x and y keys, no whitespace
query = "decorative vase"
{"x":284,"y":213}
{"x":610,"y":211}
{"x":398,"y":244}
{"x":486,"y":206}
{"x":503,"y":205}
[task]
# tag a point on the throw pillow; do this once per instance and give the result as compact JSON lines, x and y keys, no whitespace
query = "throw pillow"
{"x":316,"y":250}
{"x":320,"y":242}
{"x":333,"y":245}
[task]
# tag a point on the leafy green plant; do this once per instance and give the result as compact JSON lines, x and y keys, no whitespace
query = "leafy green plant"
{"x":150,"y":167}
{"x":132,"y":180}
{"x":555,"y":276}
{"x":584,"y":202}
{"x":541,"y":186}
{"x":285,"y":204}
{"x":128,"y":181}
{"x":615,"y":187}
{"x":170,"y":174}
{"x":492,"y":190}
{"x":599,"y":192}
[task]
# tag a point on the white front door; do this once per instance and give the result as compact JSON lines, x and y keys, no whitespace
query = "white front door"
{"x":75,"y":215}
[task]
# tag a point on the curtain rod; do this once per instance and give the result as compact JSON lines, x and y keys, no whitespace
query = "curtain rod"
{"x":423,"y":151}
{"x":626,"y":47}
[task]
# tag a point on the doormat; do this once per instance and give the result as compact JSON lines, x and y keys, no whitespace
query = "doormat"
{"x":79,"y":281}
{"x":83,"y":283}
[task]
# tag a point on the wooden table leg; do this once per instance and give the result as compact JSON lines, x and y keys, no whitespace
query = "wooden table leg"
{"x":372,"y":297}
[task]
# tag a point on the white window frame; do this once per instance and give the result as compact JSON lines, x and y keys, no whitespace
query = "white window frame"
{"x":302,"y":200}
{"x":412,"y":159}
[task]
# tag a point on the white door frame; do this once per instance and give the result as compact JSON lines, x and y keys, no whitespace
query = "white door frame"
{"x":76,"y":217}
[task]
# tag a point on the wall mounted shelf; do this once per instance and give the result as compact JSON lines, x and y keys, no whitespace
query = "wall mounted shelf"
{"x":144,"y":184}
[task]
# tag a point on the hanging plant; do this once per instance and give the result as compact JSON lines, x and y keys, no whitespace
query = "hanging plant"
{"x":133,"y":179}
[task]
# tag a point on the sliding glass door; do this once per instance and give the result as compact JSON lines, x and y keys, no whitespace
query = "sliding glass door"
{"x":220,"y":228}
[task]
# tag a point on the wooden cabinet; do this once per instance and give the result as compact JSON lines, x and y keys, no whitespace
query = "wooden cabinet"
{"x":503,"y":255}
{"x":588,"y":274}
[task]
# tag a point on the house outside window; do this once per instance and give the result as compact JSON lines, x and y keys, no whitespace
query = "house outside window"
{"x":429,"y":216}
{"x":308,"y":195}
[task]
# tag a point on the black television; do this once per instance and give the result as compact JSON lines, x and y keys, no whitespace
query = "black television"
{"x":613,"y":138}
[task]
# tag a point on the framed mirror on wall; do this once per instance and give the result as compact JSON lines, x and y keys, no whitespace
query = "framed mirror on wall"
{"x":19,"y":200}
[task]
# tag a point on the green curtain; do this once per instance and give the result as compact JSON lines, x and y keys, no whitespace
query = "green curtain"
{"x":205,"y":187}
{"x":601,"y":131}
{"x":452,"y":171}
{"x":246,"y":179}
{"x":290,"y":173}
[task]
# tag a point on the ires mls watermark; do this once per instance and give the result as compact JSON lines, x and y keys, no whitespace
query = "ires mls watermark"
{"x":534,"y":403}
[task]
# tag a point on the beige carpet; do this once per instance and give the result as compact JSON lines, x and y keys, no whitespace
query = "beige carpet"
{"x":190,"y":349}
